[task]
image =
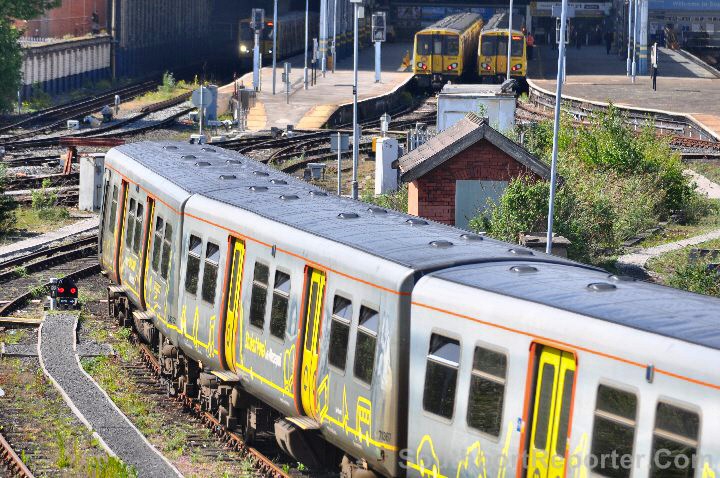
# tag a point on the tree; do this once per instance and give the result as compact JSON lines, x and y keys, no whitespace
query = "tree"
{"x":9,"y":48}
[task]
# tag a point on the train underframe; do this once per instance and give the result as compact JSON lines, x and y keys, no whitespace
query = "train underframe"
{"x":236,"y":409}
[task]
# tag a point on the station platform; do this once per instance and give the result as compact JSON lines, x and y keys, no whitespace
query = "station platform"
{"x":311,"y":108}
{"x":684,"y":86}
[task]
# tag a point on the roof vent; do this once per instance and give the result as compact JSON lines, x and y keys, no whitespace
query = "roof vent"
{"x":523,"y":269}
{"x":377,"y":210}
{"x":441,"y":244}
{"x":228,"y":176}
{"x":318,"y":193}
{"x":233,"y":161}
{"x":416,"y":222}
{"x":189,"y":157}
{"x":617,"y":278}
{"x":471,"y":237}
{"x":520,"y":252}
{"x":200,"y":164}
{"x":601,"y":287}
{"x":170,"y":147}
{"x":260,"y":173}
{"x":278,"y":181}
{"x":288,"y":197}
{"x":257,"y":188}
{"x":347,"y":215}
{"x":208,"y":150}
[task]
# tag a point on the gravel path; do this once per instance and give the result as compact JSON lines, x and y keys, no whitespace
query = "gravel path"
{"x":634,"y":262}
{"x":36,"y":242}
{"x":59,"y":360}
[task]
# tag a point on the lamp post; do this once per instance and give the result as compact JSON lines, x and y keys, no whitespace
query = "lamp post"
{"x":629,"y":62}
{"x":635,"y":24}
{"x":334,"y":58}
{"x":510,"y":18}
{"x":556,"y":126}
{"x":275,"y":27}
{"x":305,"y":71}
{"x":356,"y":139}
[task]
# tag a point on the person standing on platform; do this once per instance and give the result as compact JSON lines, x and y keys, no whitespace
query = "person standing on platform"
{"x":654,"y":65}
{"x":530,"y":41}
{"x":608,"y":41}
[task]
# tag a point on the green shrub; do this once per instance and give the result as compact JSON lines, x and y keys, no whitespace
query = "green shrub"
{"x":397,"y":200}
{"x":168,"y":82}
{"x":696,"y":278}
{"x":43,"y":198}
{"x":109,"y":467}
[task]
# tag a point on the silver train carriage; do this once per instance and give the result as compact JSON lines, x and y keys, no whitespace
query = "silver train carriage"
{"x":410,"y":347}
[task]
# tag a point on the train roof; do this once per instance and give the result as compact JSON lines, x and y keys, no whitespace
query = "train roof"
{"x":458,"y":22}
{"x":255,"y":187}
{"x":648,"y":307}
{"x":499,"y":21}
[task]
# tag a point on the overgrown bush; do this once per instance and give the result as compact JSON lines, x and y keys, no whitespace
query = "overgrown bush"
{"x":696,"y":278}
{"x":43,"y":198}
{"x":616,"y":182}
{"x":397,"y":200}
{"x":168,"y":82}
{"x":7,"y":206}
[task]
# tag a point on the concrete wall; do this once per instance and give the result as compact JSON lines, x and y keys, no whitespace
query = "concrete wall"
{"x":72,"y":17}
{"x":433,"y":195}
{"x":61,"y":66}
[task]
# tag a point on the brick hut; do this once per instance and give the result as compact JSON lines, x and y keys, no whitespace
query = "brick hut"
{"x":455,"y":173}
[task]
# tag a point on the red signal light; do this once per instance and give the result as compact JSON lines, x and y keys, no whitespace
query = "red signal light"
{"x":61,"y":290}
{"x":73,"y":290}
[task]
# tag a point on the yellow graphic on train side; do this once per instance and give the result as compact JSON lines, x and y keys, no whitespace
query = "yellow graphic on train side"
{"x":707,"y":471}
{"x":310,"y":355}
{"x":474,"y":463}
{"x":289,"y":368}
{"x":578,"y":459}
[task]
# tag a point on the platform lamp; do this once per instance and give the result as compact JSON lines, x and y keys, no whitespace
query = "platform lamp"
{"x":357,"y":12}
{"x":510,"y":18}
{"x":274,"y":52}
{"x":305,"y":71}
{"x":629,"y":16}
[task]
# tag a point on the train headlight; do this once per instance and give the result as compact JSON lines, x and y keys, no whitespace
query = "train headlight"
{"x":517,"y":67}
{"x":422,"y":65}
{"x":485,"y":66}
{"x":243,"y":49}
{"x":452,"y":66}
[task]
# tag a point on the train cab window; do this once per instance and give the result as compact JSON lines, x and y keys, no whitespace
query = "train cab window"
{"x":113,"y":209}
{"x":365,"y":344}
{"x":488,"y":46}
{"x":675,"y":441}
{"x":613,"y":431}
{"x":167,"y":250}
{"x":259,"y":295}
{"x":443,"y":362}
{"x":424,"y":44}
{"x":138,"y":228}
{"x":437,"y":45}
{"x":193,"y":264}
{"x":487,"y":391}
{"x":452,"y":45}
{"x":157,"y":243}
{"x":210,"y":272}
{"x":516,"y":48}
{"x":130,"y":227}
{"x":279,"y":308}
{"x":340,"y":332}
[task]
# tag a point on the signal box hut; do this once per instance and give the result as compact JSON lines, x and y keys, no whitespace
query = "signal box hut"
{"x":453,"y":175}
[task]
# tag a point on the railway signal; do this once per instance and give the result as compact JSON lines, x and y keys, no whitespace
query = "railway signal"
{"x":63,"y":293}
{"x":378,"y":36}
{"x":257,"y":23}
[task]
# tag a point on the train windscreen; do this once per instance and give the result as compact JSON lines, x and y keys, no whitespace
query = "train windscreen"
{"x":452,"y":45}
{"x":517,"y":45}
{"x":488,"y":45}
{"x":245,"y":33}
{"x":424,"y":45}
{"x":438,"y":45}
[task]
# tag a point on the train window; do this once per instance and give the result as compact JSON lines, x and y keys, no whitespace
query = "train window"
{"x":157,"y":243}
{"x":452,"y":45}
{"x":487,"y":391}
{"x":561,"y":442}
{"x":129,"y":228}
{"x":365,"y":344}
{"x":517,"y":46}
{"x":544,"y":406}
{"x":340,"y":332}
{"x":441,"y":376}
{"x":488,"y":45}
{"x":259,"y":295}
{"x":113,"y":209}
{"x":138,"y":228}
{"x":167,"y":250}
{"x":424,"y":44}
{"x":210,"y":272}
{"x":193,"y":264}
{"x":675,"y":441}
{"x":279,"y":308}
{"x":613,"y":431}
{"x":437,"y":45}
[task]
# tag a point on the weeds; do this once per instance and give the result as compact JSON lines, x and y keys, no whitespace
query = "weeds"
{"x":109,"y":467}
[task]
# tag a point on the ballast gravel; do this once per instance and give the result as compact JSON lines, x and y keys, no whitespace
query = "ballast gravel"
{"x":58,"y":356}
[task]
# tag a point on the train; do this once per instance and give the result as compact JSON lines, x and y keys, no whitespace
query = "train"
{"x":447,"y":50}
{"x":493,"y":46}
{"x":290,"y":37}
{"x":390,"y":345}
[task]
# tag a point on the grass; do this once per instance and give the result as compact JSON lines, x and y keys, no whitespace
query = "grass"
{"x":39,"y":221}
{"x":676,"y":270}
{"x":708,"y":168}
{"x":13,"y":336}
{"x":673,"y":232}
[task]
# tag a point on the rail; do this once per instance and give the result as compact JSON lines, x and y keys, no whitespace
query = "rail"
{"x":12,"y":460}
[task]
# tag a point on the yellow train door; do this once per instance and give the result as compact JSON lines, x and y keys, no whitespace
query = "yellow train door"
{"x":501,"y":56}
{"x":145,"y":260}
{"x":233,"y":312}
{"x":436,"y":62}
{"x":551,"y":413}
{"x":313,"y":317}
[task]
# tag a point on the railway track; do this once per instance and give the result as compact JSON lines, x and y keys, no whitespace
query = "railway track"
{"x":58,"y":115}
{"x":12,"y":462}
